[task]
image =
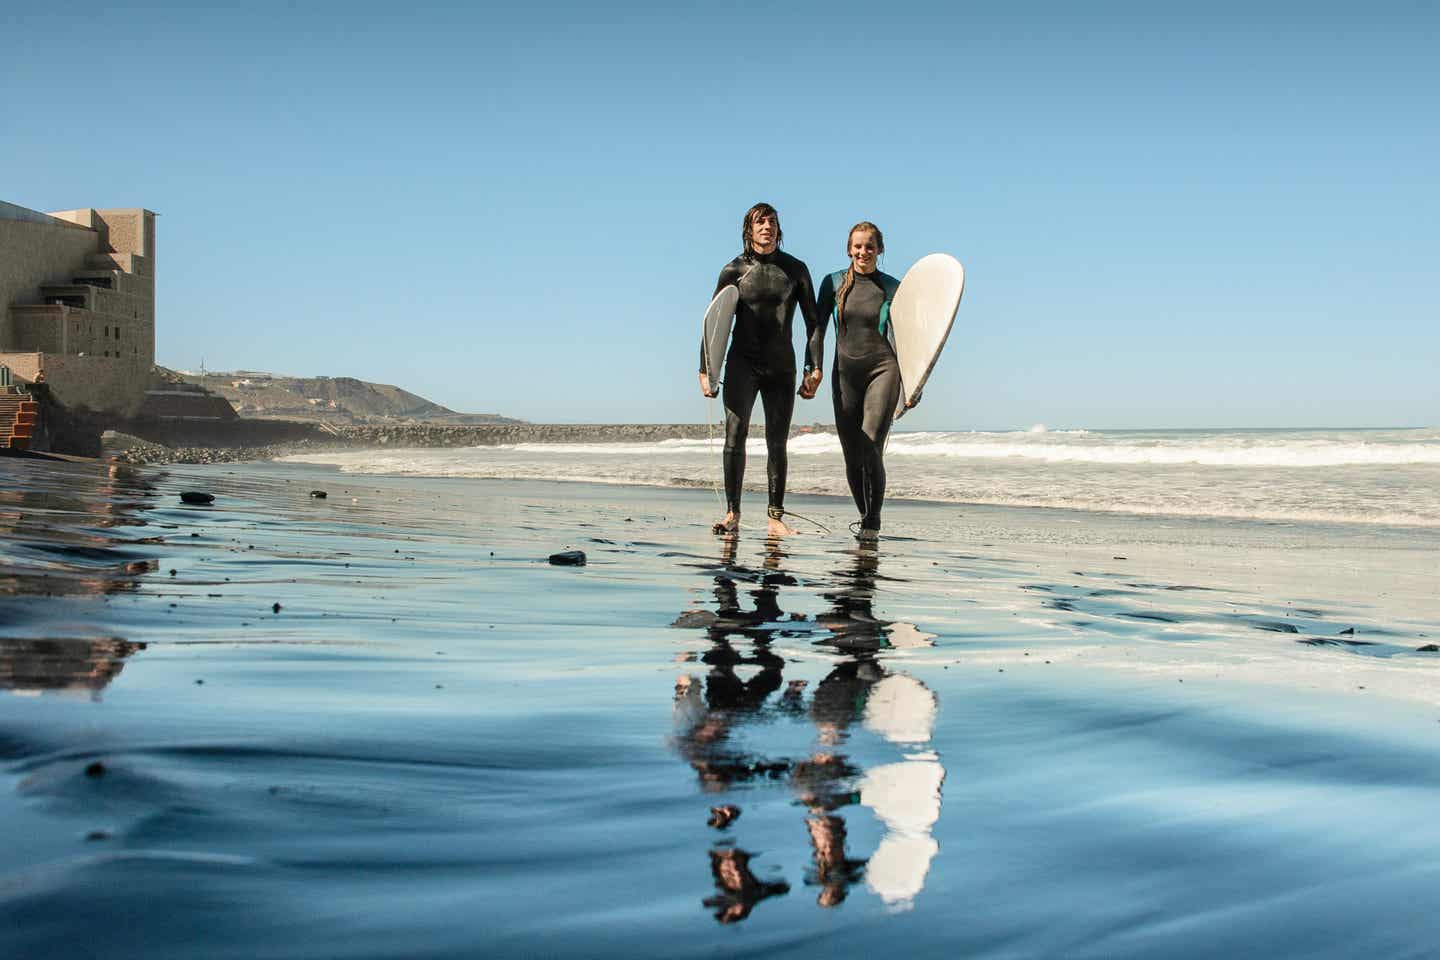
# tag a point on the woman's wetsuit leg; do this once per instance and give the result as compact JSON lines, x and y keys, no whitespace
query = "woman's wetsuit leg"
{"x":849,"y":414}
{"x":866,"y":391}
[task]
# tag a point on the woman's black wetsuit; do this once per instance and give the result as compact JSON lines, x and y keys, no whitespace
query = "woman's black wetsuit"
{"x":761,"y":361}
{"x":866,"y":383}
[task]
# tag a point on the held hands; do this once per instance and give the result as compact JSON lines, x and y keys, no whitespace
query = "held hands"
{"x":810,"y":384}
{"x":705,"y":386}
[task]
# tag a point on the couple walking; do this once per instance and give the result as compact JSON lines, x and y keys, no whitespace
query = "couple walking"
{"x":761,"y":362}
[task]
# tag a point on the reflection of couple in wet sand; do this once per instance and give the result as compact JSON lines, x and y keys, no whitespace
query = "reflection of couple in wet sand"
{"x":859,"y":691}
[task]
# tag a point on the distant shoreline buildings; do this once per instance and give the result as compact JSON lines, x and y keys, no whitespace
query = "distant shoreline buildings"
{"x":77,"y":308}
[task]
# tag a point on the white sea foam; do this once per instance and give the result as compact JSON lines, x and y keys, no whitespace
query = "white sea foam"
{"x":1293,"y":449}
{"x":1389,"y":478}
{"x":1236,"y":449}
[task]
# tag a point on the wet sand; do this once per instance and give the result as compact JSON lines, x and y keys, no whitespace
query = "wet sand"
{"x":1003,"y":733}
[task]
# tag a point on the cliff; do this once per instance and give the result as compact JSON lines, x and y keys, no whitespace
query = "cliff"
{"x":334,"y":400}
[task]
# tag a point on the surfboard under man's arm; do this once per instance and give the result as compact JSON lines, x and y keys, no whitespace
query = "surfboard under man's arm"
{"x":730,"y":275}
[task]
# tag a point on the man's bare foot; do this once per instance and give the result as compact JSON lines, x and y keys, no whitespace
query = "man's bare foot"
{"x":730,"y":525}
{"x":779,"y":528}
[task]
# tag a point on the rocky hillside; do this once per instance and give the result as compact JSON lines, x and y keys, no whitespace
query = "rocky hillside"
{"x":335,"y":400}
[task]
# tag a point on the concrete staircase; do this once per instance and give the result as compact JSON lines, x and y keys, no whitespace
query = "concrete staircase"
{"x":19,"y":418}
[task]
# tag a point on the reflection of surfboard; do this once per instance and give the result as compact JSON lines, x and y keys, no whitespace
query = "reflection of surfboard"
{"x":719,"y":318}
{"x":920,"y":316}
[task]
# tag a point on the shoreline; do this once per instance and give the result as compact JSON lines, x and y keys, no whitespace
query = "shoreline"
{"x":1311,"y":577}
{"x":391,"y":440}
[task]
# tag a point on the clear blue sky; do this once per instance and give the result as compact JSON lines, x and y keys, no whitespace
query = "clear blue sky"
{"x":1171,"y":215}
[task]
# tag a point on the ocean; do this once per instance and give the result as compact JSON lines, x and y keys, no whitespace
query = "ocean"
{"x":1376,"y":478}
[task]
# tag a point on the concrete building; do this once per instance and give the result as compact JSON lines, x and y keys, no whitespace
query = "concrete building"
{"x":77,"y":306}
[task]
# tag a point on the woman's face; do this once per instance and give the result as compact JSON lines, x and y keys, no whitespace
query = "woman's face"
{"x":763,"y":231}
{"x":863,"y":251}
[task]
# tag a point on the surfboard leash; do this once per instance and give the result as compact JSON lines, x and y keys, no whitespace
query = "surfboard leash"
{"x":710,"y":444}
{"x":800,"y":516}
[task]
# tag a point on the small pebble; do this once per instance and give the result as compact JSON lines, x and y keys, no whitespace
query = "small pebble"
{"x":195,"y":496}
{"x":95,"y":769}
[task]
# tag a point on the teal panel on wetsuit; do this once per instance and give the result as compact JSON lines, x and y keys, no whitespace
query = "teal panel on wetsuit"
{"x":836,"y":280}
{"x":889,"y":284}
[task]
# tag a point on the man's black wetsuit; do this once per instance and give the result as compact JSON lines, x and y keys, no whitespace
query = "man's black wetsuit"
{"x":866,"y":383}
{"x":761,"y":361}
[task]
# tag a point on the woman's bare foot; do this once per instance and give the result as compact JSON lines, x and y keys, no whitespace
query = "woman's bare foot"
{"x":727,"y":527}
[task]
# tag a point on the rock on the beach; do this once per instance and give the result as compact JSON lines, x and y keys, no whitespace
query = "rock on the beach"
{"x":195,"y":496}
{"x":568,"y":558}
{"x":1428,"y":648}
{"x":319,"y":494}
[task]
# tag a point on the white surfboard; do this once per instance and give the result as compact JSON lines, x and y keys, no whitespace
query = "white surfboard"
{"x":719,"y":319}
{"x":920,"y":318}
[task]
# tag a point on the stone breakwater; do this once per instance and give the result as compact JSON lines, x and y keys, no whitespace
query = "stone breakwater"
{"x":489,"y":435}
{"x":223,"y":444}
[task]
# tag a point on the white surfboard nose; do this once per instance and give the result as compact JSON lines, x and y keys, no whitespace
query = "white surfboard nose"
{"x":920,"y":320}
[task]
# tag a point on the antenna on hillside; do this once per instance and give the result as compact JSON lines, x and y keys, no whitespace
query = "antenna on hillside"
{"x":202,"y":365}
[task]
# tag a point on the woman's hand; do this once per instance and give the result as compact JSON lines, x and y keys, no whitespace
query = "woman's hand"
{"x":810,"y":384}
{"x":705,"y":386}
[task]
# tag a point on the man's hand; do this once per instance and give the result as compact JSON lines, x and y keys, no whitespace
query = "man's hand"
{"x":705,"y":386}
{"x":810,"y":384}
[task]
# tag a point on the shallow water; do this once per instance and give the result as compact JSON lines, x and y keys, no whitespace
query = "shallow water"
{"x":1004,"y":733}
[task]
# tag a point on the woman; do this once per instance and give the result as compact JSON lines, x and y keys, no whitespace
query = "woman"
{"x":867,"y":374}
{"x":761,"y":359}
